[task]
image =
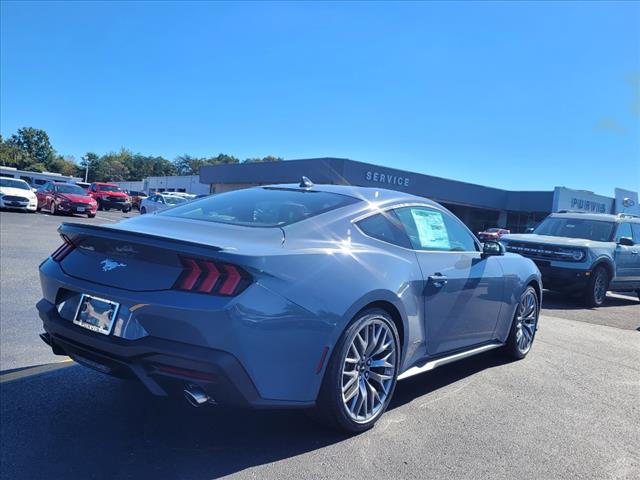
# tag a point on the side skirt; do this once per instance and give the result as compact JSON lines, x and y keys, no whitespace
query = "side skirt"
{"x":431,"y":364}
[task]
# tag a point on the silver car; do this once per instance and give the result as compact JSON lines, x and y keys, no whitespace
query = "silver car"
{"x":160,"y":201}
{"x":296,"y":296}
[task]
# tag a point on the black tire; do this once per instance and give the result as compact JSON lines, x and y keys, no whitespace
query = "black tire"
{"x":330,"y":409}
{"x":100,"y":205}
{"x":54,"y":210}
{"x":143,"y":210}
{"x":513,"y":348}
{"x":638,"y":294}
{"x":594,"y":295}
{"x":91,"y":215}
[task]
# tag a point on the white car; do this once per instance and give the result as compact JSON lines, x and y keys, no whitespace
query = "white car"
{"x":160,"y":201}
{"x":188,"y":196}
{"x":16,"y":193}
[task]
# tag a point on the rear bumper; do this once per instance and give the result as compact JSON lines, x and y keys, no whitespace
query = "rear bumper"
{"x":164,"y":367}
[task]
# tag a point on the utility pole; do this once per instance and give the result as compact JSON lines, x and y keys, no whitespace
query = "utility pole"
{"x":86,"y":167}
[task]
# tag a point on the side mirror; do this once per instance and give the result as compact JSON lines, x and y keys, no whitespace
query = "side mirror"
{"x":492,"y":249}
{"x":626,"y":242}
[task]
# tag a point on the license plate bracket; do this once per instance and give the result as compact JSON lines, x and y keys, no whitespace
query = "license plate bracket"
{"x":96,"y":314}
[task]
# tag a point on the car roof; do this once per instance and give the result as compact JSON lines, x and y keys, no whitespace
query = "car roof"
{"x":368,"y":194}
{"x":609,"y":217}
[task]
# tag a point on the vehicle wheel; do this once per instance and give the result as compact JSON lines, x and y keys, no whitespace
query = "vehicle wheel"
{"x":38,"y":209}
{"x":143,"y":210}
{"x":638,"y":293}
{"x":361,"y":375}
{"x":91,"y":215}
{"x":54,"y":209}
{"x":524,"y":325}
{"x":100,"y":205}
{"x":596,"y":292}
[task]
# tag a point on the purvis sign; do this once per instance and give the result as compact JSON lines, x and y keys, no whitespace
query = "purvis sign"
{"x":580,"y":200}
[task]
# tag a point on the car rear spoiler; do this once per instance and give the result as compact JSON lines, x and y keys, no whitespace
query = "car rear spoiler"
{"x":74,"y":230}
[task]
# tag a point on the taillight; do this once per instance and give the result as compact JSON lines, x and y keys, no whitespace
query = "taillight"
{"x":63,"y":250}
{"x":212,"y":277}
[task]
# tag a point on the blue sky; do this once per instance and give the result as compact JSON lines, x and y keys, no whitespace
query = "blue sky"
{"x":513,"y":95}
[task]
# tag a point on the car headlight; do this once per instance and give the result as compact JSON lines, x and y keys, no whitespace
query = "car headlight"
{"x":574,"y":254}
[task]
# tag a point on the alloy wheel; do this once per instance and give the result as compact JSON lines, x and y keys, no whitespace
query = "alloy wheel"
{"x":368,"y":370}
{"x":526,"y":321}
{"x":600,"y":287}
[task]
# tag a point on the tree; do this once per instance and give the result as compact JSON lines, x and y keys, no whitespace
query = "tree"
{"x":35,"y":143}
{"x":268,"y":158}
{"x":188,"y":165}
{"x":111,"y":167}
{"x":12,"y":156}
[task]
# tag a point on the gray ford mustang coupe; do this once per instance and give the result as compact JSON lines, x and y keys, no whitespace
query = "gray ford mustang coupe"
{"x":286,"y":296}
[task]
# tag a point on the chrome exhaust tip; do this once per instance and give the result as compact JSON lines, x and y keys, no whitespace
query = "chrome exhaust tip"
{"x":196,"y":396}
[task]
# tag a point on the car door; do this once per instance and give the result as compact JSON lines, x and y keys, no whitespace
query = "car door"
{"x":41,"y":195}
{"x":463,"y":292}
{"x":626,"y":256}
{"x":160,"y":203}
{"x":149,"y":203}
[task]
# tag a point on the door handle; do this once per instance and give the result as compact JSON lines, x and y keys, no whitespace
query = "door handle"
{"x":634,"y":252}
{"x":438,"y":280}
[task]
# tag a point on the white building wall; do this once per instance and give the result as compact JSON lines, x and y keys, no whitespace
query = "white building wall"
{"x":185,"y":183}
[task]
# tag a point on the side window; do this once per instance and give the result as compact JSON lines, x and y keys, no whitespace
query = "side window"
{"x":430,"y":229}
{"x":93,"y":187}
{"x":635,"y":227}
{"x":386,"y":227}
{"x":624,"y":230}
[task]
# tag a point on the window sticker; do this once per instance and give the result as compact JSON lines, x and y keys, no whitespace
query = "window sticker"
{"x":432,"y":232}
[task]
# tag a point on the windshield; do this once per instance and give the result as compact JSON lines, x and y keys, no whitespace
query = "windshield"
{"x":73,"y":189}
{"x":174,"y":200}
{"x":597,"y":230}
{"x":109,"y":188}
{"x":8,"y":183}
{"x":261,"y":207}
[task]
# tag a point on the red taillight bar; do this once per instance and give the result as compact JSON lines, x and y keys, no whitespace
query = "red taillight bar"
{"x":63,"y":250}
{"x":213,"y":277}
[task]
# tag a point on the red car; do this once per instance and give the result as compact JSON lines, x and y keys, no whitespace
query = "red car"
{"x":492,"y":234}
{"x":109,"y":195}
{"x":60,"y":197}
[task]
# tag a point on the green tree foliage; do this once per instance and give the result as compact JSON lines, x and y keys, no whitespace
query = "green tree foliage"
{"x":268,"y":158}
{"x":188,"y":165}
{"x":30,"y":149}
{"x":35,"y":143}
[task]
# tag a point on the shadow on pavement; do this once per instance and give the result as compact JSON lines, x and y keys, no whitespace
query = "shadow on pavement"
{"x":564,"y":301}
{"x":76,"y":423}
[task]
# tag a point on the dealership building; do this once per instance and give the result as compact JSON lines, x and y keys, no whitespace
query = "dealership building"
{"x":478,"y":206}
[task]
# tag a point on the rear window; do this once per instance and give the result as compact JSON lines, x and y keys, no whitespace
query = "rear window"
{"x":261,"y":207}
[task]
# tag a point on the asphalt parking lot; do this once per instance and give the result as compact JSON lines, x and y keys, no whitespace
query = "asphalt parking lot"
{"x":571,"y":409}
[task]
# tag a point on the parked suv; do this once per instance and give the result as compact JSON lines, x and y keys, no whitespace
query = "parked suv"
{"x":585,"y":253}
{"x":109,"y":195}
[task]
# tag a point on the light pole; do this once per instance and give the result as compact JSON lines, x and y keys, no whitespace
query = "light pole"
{"x":86,"y":167}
